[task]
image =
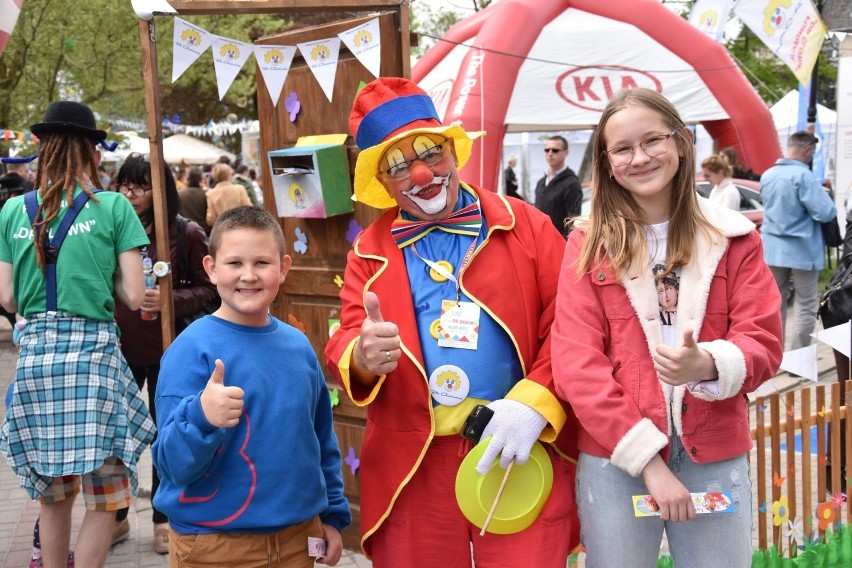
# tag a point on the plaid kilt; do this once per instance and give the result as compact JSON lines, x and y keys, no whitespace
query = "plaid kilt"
{"x":75,"y":403}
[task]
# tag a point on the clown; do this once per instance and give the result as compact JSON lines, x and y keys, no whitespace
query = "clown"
{"x":454,"y":281}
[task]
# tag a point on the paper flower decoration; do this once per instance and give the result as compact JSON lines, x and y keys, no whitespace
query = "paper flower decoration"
{"x":334,"y":394}
{"x":338,"y":280}
{"x":301,"y":243}
{"x":838,"y":499}
{"x":780,"y":511}
{"x":353,"y":230}
{"x":825,"y":514}
{"x":353,"y":462}
{"x":293,"y":106}
{"x":797,"y":533}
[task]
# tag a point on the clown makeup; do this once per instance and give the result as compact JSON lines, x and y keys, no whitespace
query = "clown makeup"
{"x":419,"y":176}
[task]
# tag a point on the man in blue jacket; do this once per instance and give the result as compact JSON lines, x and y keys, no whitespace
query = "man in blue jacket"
{"x":794,"y":207}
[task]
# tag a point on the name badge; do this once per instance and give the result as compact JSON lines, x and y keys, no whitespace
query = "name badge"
{"x":459,"y":325}
{"x":449,"y":385}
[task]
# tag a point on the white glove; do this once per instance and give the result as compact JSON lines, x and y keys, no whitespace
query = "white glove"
{"x":514,"y":428}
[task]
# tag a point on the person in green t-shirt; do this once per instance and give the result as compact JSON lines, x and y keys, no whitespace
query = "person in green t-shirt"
{"x":76,"y":417}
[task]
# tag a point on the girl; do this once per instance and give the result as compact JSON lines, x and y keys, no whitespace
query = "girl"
{"x":724,"y":192}
{"x":660,"y":400}
{"x":76,"y":417}
{"x":141,"y":337}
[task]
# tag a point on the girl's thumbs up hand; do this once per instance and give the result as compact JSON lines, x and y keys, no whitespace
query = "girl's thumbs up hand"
{"x":686,"y":363}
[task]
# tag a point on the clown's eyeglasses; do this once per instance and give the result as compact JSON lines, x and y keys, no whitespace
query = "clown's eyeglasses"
{"x":430,"y":157}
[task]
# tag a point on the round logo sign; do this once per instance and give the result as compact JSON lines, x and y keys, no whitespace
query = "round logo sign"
{"x":590,"y":88}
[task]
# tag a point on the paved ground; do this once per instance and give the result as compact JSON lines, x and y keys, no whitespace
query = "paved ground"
{"x":18,"y":513}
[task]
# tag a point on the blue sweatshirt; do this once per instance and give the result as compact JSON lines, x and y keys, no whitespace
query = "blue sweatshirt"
{"x":279,"y":466}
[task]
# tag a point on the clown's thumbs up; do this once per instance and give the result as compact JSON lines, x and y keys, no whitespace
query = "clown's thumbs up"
{"x":377,"y":351}
{"x":371,"y":304}
{"x":222,"y":405}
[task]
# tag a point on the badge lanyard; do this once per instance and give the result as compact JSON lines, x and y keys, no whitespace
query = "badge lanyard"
{"x":443,"y":272}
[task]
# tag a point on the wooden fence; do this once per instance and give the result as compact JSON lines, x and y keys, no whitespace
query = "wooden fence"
{"x":799,"y":473}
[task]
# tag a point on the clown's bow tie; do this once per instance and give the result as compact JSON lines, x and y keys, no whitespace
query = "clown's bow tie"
{"x":465,"y":221}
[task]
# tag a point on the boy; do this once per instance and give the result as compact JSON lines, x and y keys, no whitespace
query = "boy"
{"x":250,"y":470}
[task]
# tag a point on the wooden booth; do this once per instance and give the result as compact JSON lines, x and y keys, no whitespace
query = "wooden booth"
{"x":309,"y":299}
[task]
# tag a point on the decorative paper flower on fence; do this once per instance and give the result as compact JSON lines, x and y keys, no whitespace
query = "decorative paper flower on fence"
{"x":825,"y":515}
{"x":780,"y":511}
{"x":797,"y":533}
{"x":838,"y":499}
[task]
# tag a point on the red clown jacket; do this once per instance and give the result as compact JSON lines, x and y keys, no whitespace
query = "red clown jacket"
{"x":513,"y":275}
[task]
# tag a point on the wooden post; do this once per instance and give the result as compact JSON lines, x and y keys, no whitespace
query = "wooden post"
{"x":836,"y":463}
{"x":807,"y":423}
{"x":847,"y":427}
{"x":760,"y":439}
{"x":148,"y":41}
{"x":790,"y":431}
{"x":775,"y":435}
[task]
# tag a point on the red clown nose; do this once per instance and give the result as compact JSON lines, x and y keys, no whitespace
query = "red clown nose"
{"x":421,"y":174}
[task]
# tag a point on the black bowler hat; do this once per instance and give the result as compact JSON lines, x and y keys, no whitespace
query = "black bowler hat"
{"x":68,"y":117}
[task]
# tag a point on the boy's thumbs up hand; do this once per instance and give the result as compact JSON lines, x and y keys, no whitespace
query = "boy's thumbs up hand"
{"x":687,"y":363}
{"x":377,"y":350}
{"x":222,"y":405}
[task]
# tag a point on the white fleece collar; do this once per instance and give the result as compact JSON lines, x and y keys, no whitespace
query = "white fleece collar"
{"x":695,"y":277}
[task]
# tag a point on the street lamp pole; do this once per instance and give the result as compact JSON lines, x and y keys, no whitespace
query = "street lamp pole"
{"x":812,"y":103}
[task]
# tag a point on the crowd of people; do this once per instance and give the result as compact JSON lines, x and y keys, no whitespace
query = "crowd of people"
{"x":636,"y":321}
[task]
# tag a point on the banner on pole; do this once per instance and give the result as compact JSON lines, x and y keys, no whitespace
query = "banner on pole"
{"x":792,"y":29}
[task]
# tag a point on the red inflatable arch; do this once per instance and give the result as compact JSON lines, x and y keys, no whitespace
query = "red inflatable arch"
{"x":479,"y":93}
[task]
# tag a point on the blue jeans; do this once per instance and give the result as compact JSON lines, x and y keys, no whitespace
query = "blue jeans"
{"x":615,"y":538}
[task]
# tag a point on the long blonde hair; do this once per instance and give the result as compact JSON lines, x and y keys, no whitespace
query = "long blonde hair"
{"x":616,"y":222}
{"x":61,"y":158}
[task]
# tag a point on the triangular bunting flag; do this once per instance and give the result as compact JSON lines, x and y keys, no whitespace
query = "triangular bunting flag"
{"x":711,"y":17}
{"x":321,"y":56}
{"x":189,"y":42}
{"x":802,"y":362}
{"x":837,"y":337}
{"x":229,"y":56}
{"x":365,"y":43}
{"x":274,"y":63}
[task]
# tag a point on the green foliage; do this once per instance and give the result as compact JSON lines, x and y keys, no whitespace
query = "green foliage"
{"x":92,"y":53}
{"x":431,"y":22}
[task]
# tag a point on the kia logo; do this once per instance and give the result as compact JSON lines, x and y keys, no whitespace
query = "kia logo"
{"x":590,"y":88}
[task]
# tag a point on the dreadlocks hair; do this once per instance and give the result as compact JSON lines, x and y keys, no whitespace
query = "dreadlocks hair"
{"x":60,"y":157}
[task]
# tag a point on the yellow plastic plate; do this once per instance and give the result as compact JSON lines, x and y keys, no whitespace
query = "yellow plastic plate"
{"x":526,"y":491}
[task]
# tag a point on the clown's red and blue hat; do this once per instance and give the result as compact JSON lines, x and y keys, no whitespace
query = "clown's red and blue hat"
{"x":385,"y":111}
